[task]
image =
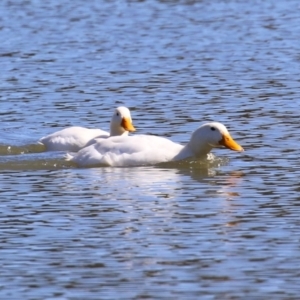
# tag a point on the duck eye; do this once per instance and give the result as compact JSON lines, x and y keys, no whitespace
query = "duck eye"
{"x":117,"y":113}
{"x":212,"y":128}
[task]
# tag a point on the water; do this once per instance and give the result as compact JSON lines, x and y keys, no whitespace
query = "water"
{"x":227,"y":230}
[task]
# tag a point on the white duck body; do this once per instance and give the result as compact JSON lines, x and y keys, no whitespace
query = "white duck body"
{"x":75,"y":138}
{"x":147,"y":150}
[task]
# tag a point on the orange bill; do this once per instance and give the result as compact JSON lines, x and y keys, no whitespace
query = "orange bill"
{"x":230,"y":143}
{"x":127,"y":125}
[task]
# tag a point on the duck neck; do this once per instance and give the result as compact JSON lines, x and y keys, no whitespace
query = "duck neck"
{"x":198,"y":150}
{"x":117,"y":130}
{"x":185,"y":153}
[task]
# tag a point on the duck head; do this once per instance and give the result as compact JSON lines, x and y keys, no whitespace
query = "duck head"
{"x":212,"y":135}
{"x":121,"y":122}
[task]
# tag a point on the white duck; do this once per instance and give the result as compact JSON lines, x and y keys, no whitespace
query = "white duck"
{"x":75,"y":138}
{"x":140,"y":150}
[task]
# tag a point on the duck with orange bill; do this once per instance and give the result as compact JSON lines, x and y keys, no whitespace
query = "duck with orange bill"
{"x":139,"y":150}
{"x":75,"y":138}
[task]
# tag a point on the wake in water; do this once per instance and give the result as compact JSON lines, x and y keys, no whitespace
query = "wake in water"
{"x":212,"y":162}
{"x":16,"y":150}
{"x":34,"y":161}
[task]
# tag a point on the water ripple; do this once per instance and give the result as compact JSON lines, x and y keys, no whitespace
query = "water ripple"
{"x":226,"y":230}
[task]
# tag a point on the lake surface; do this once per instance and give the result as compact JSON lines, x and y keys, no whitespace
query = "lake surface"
{"x":228,"y":230}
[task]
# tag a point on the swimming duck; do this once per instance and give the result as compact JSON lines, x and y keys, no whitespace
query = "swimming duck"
{"x":75,"y":138}
{"x":138,"y":150}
